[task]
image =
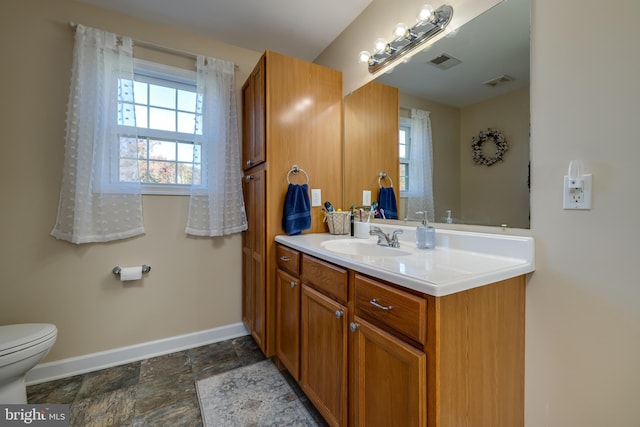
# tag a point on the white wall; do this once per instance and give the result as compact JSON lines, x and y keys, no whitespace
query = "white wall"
{"x":583,"y":301}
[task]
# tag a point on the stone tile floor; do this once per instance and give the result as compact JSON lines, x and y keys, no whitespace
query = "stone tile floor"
{"x":159,"y":391}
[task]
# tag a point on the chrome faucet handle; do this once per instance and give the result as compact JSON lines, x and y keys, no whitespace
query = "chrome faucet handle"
{"x":394,"y":239}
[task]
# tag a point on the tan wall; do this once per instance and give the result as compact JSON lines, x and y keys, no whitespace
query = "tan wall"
{"x":583,"y":301}
{"x":496,"y":194}
{"x":195,"y":283}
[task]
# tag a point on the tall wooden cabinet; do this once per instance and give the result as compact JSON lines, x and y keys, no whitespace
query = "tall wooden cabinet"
{"x":292,"y":115}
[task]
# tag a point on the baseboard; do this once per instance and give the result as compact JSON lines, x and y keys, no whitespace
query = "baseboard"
{"x":106,"y":359}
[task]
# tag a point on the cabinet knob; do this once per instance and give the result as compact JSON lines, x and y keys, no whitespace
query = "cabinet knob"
{"x":293,"y":284}
{"x":285,"y":258}
{"x":248,"y":178}
{"x":339,"y":314}
{"x":374,"y":303}
{"x":353,"y":326}
{"x":249,"y":162}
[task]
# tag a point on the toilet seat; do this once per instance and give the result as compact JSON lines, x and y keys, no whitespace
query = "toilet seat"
{"x":15,"y":338}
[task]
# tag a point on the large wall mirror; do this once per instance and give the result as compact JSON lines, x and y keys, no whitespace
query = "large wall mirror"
{"x":470,"y":81}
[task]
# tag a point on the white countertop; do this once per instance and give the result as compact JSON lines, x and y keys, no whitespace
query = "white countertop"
{"x":461,"y":260}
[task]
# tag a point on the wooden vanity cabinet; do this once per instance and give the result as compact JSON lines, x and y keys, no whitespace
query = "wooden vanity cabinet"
{"x":276,"y":136}
{"x":389,"y":366}
{"x":324,"y":333}
{"x":373,"y":353}
{"x":288,"y":291}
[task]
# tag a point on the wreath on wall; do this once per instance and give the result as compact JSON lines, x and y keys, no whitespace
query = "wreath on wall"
{"x":489,"y":135}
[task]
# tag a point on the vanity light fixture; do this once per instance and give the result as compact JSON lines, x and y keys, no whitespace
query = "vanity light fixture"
{"x":430,"y":23}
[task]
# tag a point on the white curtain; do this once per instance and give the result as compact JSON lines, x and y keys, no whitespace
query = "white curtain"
{"x":420,"y":193}
{"x":216,"y":208}
{"x":93,"y":207}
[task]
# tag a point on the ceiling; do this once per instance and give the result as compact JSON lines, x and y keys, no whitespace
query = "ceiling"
{"x":299,"y":28}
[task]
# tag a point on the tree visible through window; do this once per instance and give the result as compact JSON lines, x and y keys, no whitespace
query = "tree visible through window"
{"x":165,"y":151}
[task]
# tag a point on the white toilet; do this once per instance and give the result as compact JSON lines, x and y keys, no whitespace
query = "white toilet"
{"x":22,"y":346}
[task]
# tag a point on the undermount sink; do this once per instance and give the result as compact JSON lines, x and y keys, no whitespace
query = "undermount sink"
{"x":361,"y":248}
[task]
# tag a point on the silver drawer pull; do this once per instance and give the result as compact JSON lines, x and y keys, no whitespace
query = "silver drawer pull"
{"x":353,"y":326}
{"x":285,"y":258}
{"x":374,"y":303}
{"x":293,"y":284}
{"x":248,"y":178}
{"x":339,"y":314}
{"x":249,"y":163}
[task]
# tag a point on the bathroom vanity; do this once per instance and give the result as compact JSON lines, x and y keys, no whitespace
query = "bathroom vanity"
{"x":380,"y":336}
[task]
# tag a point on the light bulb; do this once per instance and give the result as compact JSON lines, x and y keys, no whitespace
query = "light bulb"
{"x":425,"y":14}
{"x":380,"y":45}
{"x":400,"y":30}
{"x":364,"y":56}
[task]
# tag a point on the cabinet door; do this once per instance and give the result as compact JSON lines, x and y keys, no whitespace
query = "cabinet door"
{"x":253,"y":257}
{"x":390,"y":379}
{"x":288,"y":322}
{"x":253,"y":110}
{"x":324,"y":355}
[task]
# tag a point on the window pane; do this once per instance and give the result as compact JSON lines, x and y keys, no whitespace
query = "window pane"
{"x":142,"y":148}
{"x":162,"y":150}
{"x":186,"y":123}
{"x":140,"y":93}
{"x":162,"y":172}
{"x":197,"y":174}
{"x":185,"y":173}
{"x":186,"y":101}
{"x":185,"y":152}
{"x":403,"y":143}
{"x":126,"y":114}
{"x":403,"y":177}
{"x":162,"y":119}
{"x":161,"y":96}
{"x":142,"y":121}
{"x":128,"y":170}
{"x":143,"y":171}
{"x":128,"y":147}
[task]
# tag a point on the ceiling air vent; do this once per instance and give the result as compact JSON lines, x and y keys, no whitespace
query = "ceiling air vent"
{"x":444,"y":61}
{"x":500,"y":80}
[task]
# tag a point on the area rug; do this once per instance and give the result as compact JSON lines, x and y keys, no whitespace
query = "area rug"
{"x":252,"y":396}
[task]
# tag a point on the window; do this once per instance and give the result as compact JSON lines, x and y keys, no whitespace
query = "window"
{"x":404,"y":142}
{"x":165,"y":155}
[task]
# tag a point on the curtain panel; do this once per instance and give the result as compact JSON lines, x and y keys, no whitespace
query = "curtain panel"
{"x":216,"y":208}
{"x":92,"y":208}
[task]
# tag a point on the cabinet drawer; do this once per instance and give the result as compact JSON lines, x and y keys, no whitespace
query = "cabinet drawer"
{"x":288,"y":259}
{"x":391,"y":307}
{"x":325,"y":277}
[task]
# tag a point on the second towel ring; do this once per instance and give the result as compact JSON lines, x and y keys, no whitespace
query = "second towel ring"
{"x":295,"y":169}
{"x":381,"y":176}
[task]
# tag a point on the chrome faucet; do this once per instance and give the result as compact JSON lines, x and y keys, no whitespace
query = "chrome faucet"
{"x":390,"y":241}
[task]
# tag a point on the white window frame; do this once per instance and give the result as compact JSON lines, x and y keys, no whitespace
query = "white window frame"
{"x":179,"y":78}
{"x":405,"y":124}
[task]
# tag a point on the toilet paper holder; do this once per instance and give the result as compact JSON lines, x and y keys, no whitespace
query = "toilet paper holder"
{"x":116,"y":270}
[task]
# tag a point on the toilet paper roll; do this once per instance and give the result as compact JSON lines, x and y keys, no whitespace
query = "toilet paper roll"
{"x":130,"y":273}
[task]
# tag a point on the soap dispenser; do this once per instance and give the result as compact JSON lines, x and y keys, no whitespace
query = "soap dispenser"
{"x":425,"y":234}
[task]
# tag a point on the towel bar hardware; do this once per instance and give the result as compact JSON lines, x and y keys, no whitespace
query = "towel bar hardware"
{"x":383,"y":175}
{"x":145,"y":269}
{"x":295,"y":169}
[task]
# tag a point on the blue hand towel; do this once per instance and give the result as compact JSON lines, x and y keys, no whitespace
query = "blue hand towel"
{"x":296,"y":215}
{"x":387,"y":201}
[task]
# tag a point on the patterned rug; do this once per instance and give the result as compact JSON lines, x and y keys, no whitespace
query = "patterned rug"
{"x":252,"y":396}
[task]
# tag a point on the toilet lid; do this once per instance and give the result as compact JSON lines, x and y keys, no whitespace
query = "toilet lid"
{"x":18,"y":337}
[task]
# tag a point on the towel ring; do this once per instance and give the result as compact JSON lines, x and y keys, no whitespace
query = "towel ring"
{"x":295,"y":169}
{"x":381,"y":176}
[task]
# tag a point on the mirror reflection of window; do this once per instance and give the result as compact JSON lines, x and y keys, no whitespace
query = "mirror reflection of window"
{"x":404,"y":142}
